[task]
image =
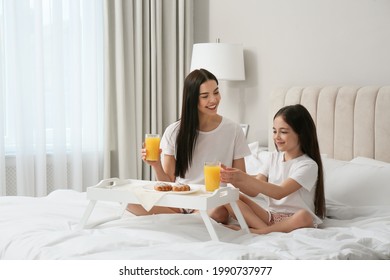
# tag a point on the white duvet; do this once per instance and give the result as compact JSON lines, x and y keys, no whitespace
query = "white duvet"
{"x":46,"y":228}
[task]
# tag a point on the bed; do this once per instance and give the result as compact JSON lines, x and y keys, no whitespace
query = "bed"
{"x":354,"y":130}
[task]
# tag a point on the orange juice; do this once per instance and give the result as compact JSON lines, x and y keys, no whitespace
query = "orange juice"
{"x":152,"y":146}
{"x":212,"y":177}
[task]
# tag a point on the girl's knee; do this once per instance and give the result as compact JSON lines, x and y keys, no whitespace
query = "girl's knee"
{"x":220,"y":215}
{"x":303,"y":218}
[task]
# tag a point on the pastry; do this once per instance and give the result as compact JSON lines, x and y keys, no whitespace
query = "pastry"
{"x":181,"y":188}
{"x":163,"y":187}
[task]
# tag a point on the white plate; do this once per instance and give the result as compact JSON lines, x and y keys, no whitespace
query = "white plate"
{"x":193,"y":189}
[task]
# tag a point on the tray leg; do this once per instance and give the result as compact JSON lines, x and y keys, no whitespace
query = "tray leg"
{"x":87,"y":213}
{"x":122,"y":209}
{"x":239,"y":217}
{"x":209,"y":225}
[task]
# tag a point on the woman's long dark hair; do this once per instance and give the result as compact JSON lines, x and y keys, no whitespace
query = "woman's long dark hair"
{"x":300,"y":120}
{"x":189,"y":120}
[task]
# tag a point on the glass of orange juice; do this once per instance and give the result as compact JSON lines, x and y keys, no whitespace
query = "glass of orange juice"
{"x":152,"y":146}
{"x":212,"y":176}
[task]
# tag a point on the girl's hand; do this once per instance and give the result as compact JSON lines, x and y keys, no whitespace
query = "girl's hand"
{"x":231,"y":175}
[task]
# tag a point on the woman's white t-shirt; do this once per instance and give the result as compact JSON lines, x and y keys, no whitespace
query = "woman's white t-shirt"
{"x":304,"y":171}
{"x":225,"y":143}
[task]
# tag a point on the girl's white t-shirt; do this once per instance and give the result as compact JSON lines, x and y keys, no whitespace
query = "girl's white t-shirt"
{"x":304,"y":171}
{"x":225,"y":143}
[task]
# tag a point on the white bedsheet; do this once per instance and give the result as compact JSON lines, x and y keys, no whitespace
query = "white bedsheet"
{"x":45,"y":228}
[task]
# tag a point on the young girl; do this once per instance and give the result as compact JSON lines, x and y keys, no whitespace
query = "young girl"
{"x":292,"y":179}
{"x":200,"y":135}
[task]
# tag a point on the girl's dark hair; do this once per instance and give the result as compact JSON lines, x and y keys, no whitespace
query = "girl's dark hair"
{"x":189,"y":120}
{"x":300,"y":120}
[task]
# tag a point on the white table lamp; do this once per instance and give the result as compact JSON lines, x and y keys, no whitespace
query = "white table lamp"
{"x":224,"y":60}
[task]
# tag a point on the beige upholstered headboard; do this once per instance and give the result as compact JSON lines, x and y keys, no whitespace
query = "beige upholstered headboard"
{"x":351,"y":121}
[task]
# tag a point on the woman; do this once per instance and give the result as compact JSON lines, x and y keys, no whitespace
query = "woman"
{"x":200,"y":135}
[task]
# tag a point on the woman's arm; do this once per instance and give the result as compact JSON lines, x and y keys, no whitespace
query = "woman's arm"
{"x":168,"y":171}
{"x":164,"y":173}
{"x":239,"y":164}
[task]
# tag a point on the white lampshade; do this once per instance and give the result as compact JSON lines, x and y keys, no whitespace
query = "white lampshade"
{"x":225,"y":61}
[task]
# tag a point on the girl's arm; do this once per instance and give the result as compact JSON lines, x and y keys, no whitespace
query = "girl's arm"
{"x":252,"y":186}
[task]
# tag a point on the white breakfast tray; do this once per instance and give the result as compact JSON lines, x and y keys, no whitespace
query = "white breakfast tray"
{"x":118,"y":190}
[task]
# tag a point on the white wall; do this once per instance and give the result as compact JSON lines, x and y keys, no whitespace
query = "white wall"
{"x":295,"y":43}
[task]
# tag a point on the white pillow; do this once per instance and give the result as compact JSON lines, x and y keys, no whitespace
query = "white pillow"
{"x":356,"y":184}
{"x":257,"y":157}
{"x":370,"y":161}
{"x":254,"y":147}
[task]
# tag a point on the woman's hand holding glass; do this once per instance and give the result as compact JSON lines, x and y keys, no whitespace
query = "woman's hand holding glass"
{"x":150,"y":162}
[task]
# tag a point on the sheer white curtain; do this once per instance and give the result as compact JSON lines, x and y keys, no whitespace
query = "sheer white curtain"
{"x":51,"y":95}
{"x":148,"y":46}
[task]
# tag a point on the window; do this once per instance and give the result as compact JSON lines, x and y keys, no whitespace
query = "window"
{"x":51,"y":73}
